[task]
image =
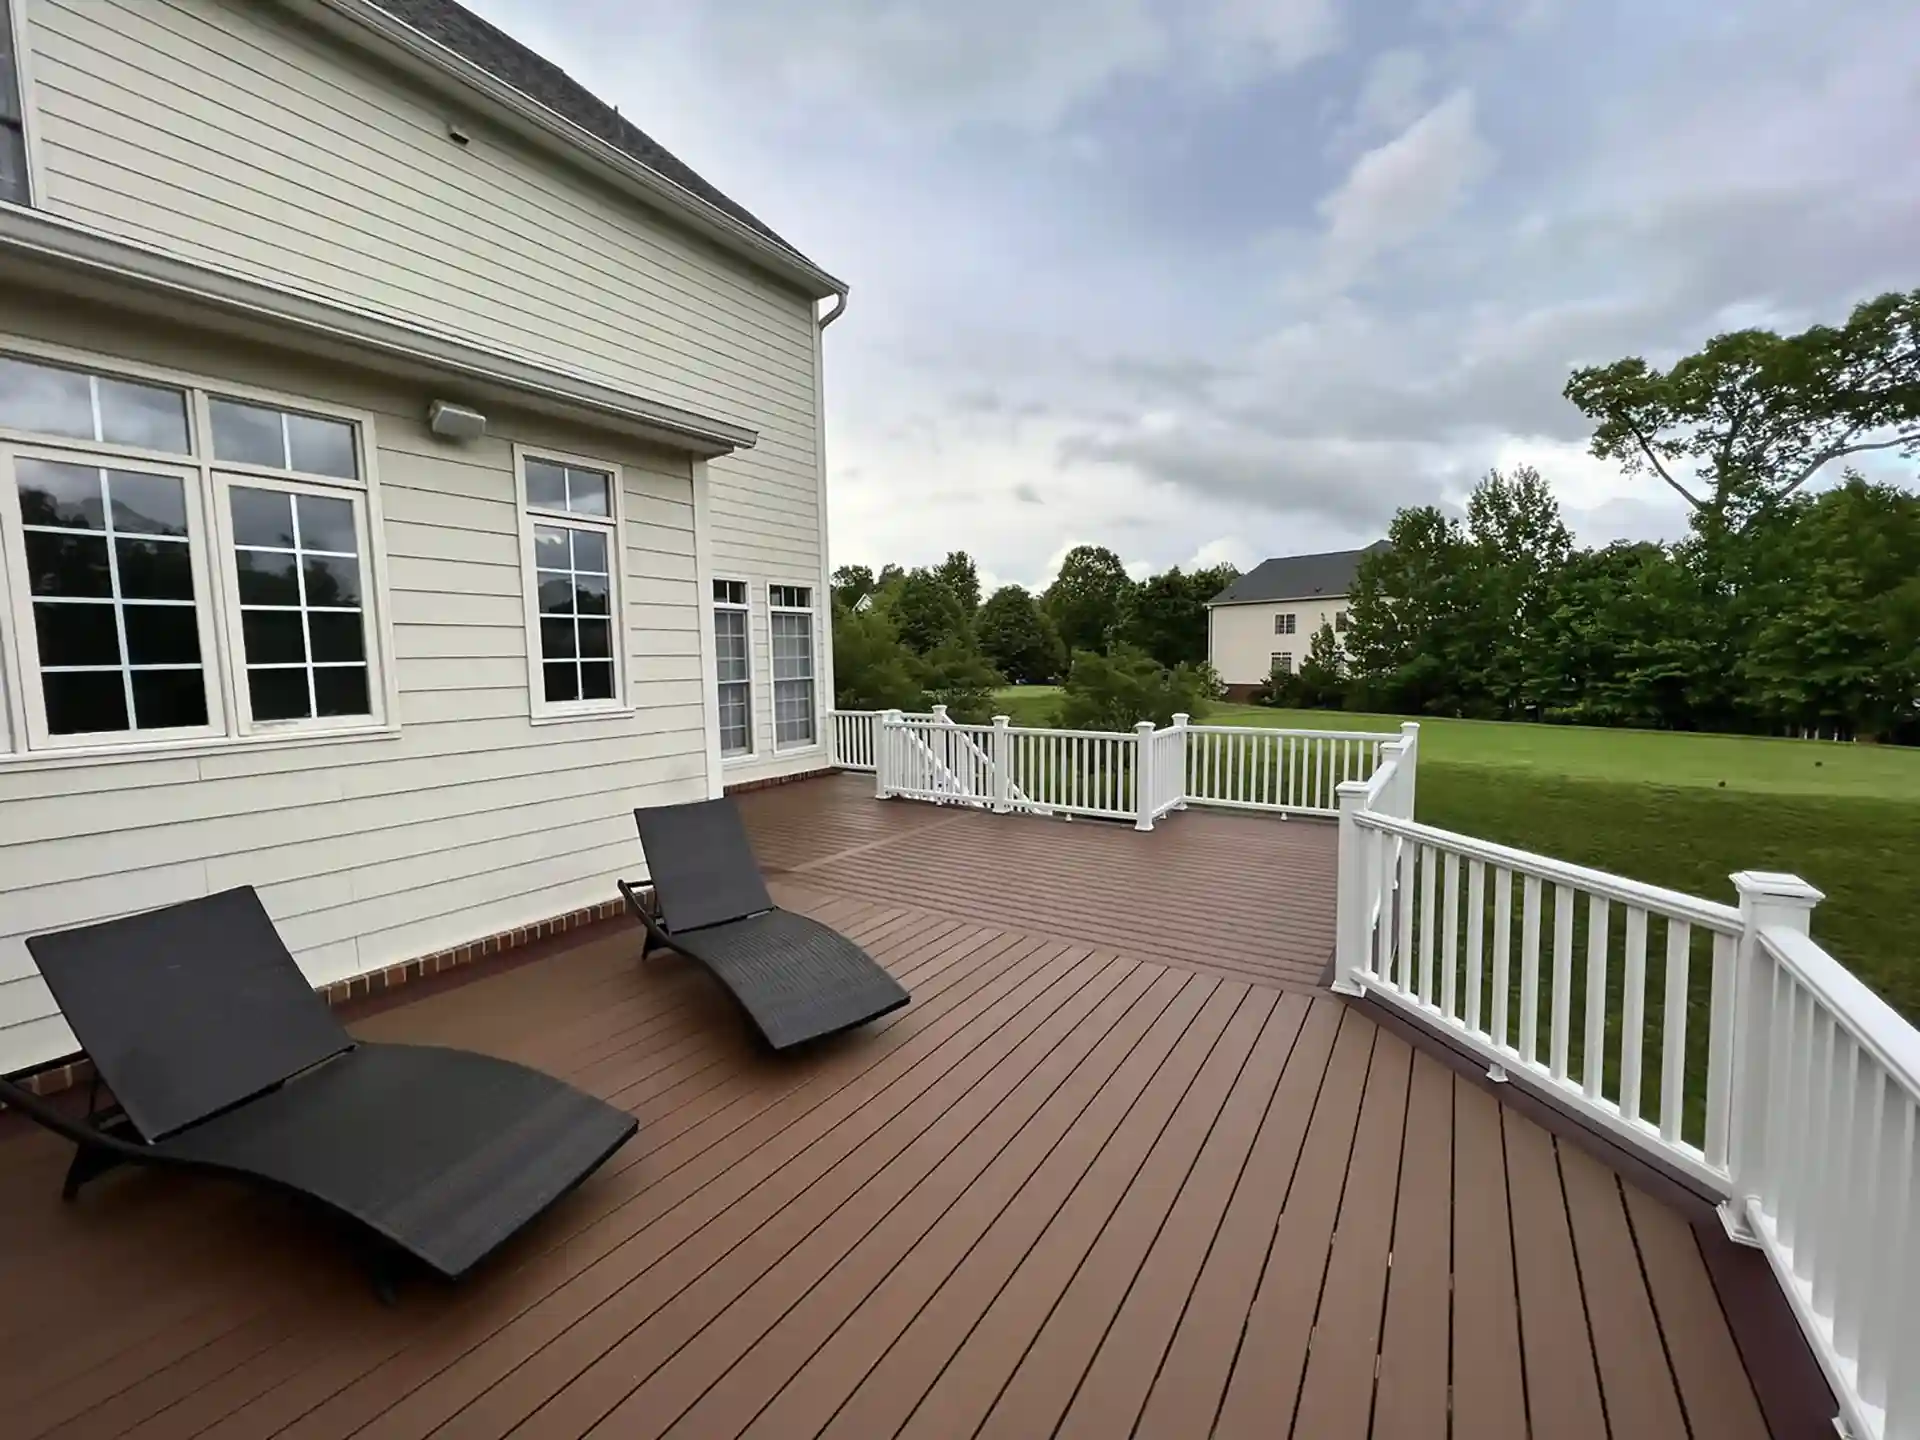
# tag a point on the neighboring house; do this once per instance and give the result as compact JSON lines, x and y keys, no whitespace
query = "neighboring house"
{"x":1267,"y":618}
{"x":266,"y":622}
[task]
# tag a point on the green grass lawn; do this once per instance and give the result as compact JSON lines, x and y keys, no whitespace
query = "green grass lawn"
{"x":1680,"y":810}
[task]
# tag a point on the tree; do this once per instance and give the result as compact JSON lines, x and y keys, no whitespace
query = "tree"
{"x":959,"y":574}
{"x":1321,"y":683}
{"x":1517,"y":545}
{"x":1088,"y":598}
{"x":1755,"y":414}
{"x":956,"y":675}
{"x":1115,"y":692}
{"x":1411,"y":603}
{"x":926,"y":612}
{"x":1019,"y":638}
{"x":872,"y":670}
{"x":852,"y":584}
{"x":1167,"y":616}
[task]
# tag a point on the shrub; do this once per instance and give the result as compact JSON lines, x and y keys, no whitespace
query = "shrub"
{"x":1115,"y":692}
{"x":872,"y":670}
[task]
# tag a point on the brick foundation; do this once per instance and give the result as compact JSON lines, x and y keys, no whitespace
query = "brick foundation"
{"x":78,"y":1070}
{"x":772,"y":780}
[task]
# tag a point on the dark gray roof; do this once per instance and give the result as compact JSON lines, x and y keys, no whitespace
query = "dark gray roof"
{"x":507,"y":60}
{"x":1297,"y":577}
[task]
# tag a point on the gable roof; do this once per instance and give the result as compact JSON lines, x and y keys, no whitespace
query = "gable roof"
{"x":1297,"y":577}
{"x":539,"y":79}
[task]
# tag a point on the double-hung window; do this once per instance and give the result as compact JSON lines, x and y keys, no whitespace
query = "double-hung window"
{"x":1280,"y":663}
{"x":733,"y":647}
{"x":1284,"y":624}
{"x":14,"y":185}
{"x":179,"y":565}
{"x":790,"y":617}
{"x":570,"y":553}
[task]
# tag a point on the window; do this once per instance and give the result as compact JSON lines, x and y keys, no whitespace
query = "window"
{"x":126,"y":573}
{"x":1282,"y":663}
{"x":734,"y":651}
{"x":1340,"y":621}
{"x":570,"y":541}
{"x":1284,"y":624}
{"x":13,"y":124}
{"x":790,"y":615}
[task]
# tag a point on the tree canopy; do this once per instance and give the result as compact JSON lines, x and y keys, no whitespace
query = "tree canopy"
{"x":1167,"y":613}
{"x":1019,"y":638}
{"x":1088,"y":599}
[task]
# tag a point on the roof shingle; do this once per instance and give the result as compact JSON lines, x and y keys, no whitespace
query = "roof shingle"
{"x":1297,"y":577}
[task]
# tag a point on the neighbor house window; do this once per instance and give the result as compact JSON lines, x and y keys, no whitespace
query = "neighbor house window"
{"x":1284,"y":624}
{"x":13,"y":123}
{"x":570,"y":545}
{"x":1340,"y":621}
{"x":790,"y":615}
{"x":1282,"y":663}
{"x":133,"y":548}
{"x":732,"y":627}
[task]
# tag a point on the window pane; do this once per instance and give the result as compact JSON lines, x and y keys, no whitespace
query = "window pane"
{"x":327,"y":525}
{"x":337,"y":636}
{"x":161,"y":635}
{"x":550,"y":549}
{"x":590,"y":551}
{"x":154,"y":569}
{"x":56,"y":494}
{"x":322,"y":447}
{"x":147,"y":504}
{"x":273,"y":637}
{"x":153,"y":417}
{"x":247,"y":434}
{"x":13,"y":163}
{"x":332,"y":580}
{"x":341,"y":690}
{"x":556,"y":594}
{"x":590,"y":594}
{"x":589,"y":492}
{"x":84,"y":704}
{"x":42,"y":398}
{"x":279,"y":694}
{"x":68,"y":564}
{"x":74,"y":634}
{"x":596,"y":639}
{"x":266,"y":578}
{"x":556,"y":640}
{"x":562,"y":682}
{"x":262,"y":517}
{"x":730,"y":592}
{"x":546,"y":485}
{"x":169,"y":699}
{"x":596,"y":680}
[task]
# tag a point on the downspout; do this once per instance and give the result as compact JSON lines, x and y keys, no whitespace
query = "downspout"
{"x":839,"y":307}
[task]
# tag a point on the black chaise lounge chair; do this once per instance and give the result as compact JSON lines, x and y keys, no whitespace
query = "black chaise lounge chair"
{"x":797,"y":979}
{"x":221,"y":1058}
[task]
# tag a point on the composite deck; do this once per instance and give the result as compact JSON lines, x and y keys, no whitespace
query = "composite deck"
{"x":1119,"y":1169}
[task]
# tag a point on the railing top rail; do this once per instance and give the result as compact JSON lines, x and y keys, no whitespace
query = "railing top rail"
{"x":1392,"y":736}
{"x":1711,"y":915}
{"x":1875,"y":1025}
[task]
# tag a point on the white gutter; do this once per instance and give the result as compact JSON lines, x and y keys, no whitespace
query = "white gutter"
{"x":361,"y":22}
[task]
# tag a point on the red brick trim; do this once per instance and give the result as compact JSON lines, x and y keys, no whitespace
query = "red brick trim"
{"x":76,"y":1070}
{"x":743,"y":786}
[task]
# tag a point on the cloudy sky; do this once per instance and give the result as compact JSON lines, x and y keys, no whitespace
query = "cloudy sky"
{"x":1219,"y":279}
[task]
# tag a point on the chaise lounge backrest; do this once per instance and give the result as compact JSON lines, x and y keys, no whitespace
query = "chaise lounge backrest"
{"x":702,"y":867}
{"x":188,"y":1010}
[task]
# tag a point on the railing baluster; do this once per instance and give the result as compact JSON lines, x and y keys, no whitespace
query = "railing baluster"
{"x":1633,"y":1012}
{"x":1819,"y":1210}
{"x":1892,"y":1314}
{"x":1530,"y":969}
{"x":1476,"y":926}
{"x":1843,"y":1197}
{"x":1450,"y":939}
{"x":1407,"y":897}
{"x":1720,"y":1051}
{"x":1562,"y":979}
{"x":1593,"y":1058}
{"x":1799,"y":1058}
{"x":1324,"y":799}
{"x":1673,"y":1032}
{"x":1502,"y":950}
{"x":1429,"y":902}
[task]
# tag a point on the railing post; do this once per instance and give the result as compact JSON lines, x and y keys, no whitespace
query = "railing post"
{"x":1180,"y":756}
{"x":884,"y":734}
{"x":1351,"y":901}
{"x":1002,"y":755}
{"x":1767,"y":900}
{"x":1409,"y":759}
{"x":1143,"y":775}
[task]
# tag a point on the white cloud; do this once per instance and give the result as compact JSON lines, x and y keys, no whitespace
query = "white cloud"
{"x":1392,"y":96}
{"x":1255,"y":36}
{"x":1228,"y":550}
{"x":1398,"y":191}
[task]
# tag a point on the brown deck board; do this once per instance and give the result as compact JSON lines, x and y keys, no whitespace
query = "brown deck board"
{"x":1112,"y":1172}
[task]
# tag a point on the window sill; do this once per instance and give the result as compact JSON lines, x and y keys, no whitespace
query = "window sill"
{"x":569,"y":717}
{"x":188,"y":749}
{"x":747,"y":759}
{"x":788,"y":752}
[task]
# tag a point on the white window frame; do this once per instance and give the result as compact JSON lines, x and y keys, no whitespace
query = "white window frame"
{"x":811,"y":611}
{"x":25,"y":646}
{"x":23,"y":80}
{"x":552,"y":712}
{"x":744,"y":607}
{"x":1280,"y":660}
{"x":21,"y":690}
{"x":1286,"y":622}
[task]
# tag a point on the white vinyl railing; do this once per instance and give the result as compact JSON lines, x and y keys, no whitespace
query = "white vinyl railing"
{"x":852,"y":735}
{"x":1248,"y":768}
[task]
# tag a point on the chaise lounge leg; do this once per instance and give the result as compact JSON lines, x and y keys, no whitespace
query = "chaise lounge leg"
{"x":89,"y":1162}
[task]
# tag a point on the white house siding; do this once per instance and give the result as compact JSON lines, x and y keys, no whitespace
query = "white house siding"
{"x":230,"y":134}
{"x":1240,"y":639}
{"x":473,"y":820}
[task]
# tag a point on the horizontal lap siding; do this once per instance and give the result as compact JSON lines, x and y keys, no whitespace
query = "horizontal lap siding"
{"x":469,"y":822}
{"x":235,"y":136}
